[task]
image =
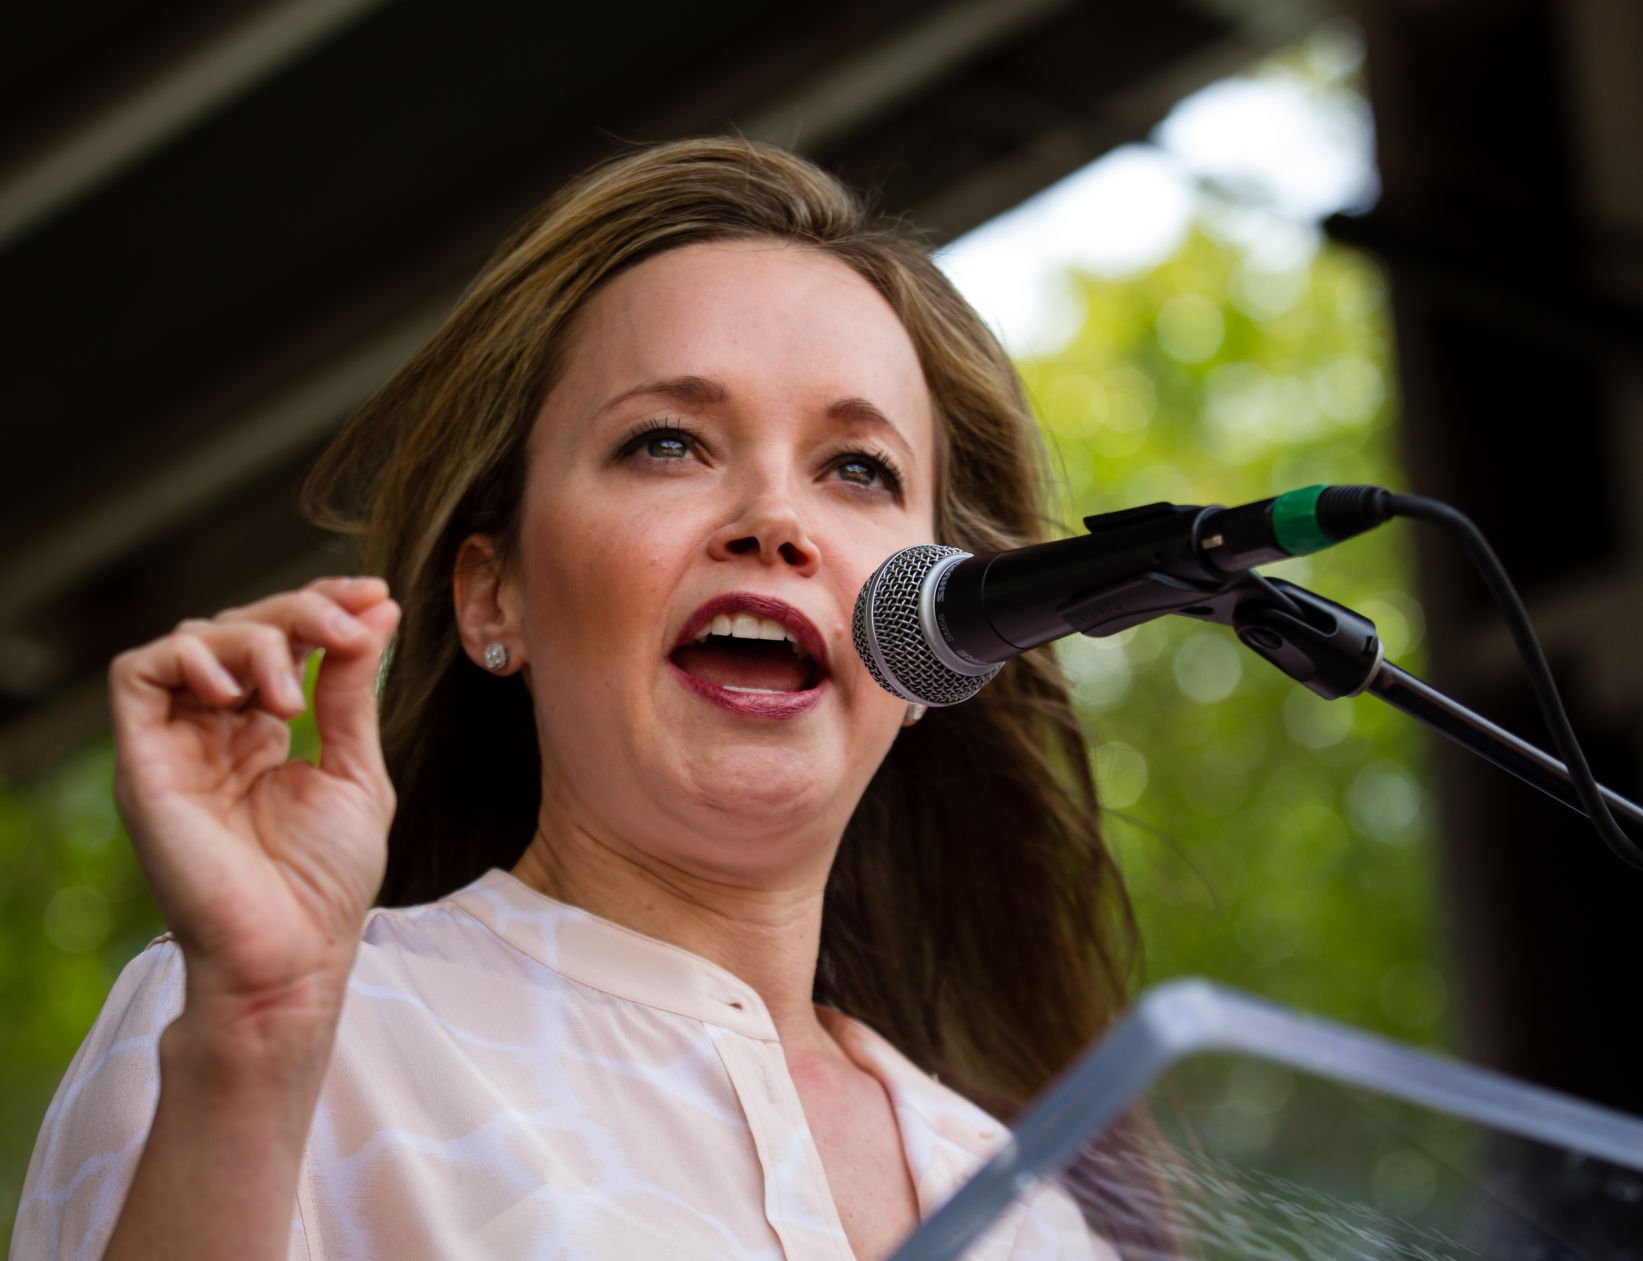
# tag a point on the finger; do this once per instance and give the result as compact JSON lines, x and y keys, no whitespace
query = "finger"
{"x":262,"y":659}
{"x":356,"y":592}
{"x":309,"y":619}
{"x":204,"y":675}
{"x":345,"y":703}
{"x":143,"y":681}
{"x":266,"y":657}
{"x":255,"y":652}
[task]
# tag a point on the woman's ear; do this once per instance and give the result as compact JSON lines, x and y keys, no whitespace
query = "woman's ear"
{"x":487,"y":607}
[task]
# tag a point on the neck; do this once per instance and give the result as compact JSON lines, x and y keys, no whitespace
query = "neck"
{"x":768,"y":935}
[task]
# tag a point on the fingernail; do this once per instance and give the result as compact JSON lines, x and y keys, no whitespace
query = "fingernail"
{"x":291,"y":692}
{"x":226,"y":680}
{"x":343,"y":626}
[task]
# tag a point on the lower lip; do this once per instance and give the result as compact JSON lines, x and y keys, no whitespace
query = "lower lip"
{"x":753,"y":704}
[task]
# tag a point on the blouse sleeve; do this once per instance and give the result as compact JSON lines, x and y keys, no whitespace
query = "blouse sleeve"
{"x":99,"y":1119}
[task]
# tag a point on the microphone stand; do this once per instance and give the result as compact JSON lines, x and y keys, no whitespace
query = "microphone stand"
{"x":1337,"y":652}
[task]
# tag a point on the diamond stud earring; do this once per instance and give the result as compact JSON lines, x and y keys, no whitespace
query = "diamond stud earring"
{"x":496,"y":657}
{"x":914,"y":713}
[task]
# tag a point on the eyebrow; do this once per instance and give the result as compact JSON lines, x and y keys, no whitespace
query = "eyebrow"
{"x":859,"y":409}
{"x":699,"y":391}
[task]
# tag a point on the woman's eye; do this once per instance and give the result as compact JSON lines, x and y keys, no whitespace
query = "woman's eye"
{"x":660,"y":440}
{"x":873,"y":472}
{"x":666,"y":447}
{"x":862,"y":472}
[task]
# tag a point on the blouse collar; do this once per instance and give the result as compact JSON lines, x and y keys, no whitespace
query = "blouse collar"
{"x":941,"y":1130}
{"x":602,"y":955}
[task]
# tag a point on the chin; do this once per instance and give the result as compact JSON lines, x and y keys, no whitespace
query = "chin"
{"x":763,"y":788}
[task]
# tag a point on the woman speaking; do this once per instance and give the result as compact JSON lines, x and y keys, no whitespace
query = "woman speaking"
{"x":689,"y":941}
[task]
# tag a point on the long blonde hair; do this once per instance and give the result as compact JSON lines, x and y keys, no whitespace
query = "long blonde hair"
{"x":973,"y":915}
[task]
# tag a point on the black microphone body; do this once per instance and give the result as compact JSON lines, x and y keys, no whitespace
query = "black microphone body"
{"x":990,"y":608}
{"x":934,"y":624}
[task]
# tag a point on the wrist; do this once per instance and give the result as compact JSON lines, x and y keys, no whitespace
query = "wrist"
{"x":280,"y":1041}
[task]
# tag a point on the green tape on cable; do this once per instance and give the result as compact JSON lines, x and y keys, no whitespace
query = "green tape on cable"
{"x":1295,"y":521}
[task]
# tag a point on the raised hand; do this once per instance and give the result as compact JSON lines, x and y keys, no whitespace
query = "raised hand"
{"x":263,"y":866}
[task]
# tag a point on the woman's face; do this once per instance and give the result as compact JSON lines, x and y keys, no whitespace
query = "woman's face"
{"x":741,"y":434}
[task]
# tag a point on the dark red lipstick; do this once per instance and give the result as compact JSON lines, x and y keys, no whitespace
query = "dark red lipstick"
{"x":767,"y":677}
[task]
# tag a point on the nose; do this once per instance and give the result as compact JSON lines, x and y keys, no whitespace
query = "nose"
{"x":769,"y":529}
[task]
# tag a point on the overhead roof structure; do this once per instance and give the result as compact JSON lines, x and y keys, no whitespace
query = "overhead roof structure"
{"x":223,"y":225}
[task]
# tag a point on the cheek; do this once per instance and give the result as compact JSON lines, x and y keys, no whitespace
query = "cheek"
{"x":598,"y":585}
{"x":861,"y":547}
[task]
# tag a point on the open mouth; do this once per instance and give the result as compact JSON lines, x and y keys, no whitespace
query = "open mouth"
{"x":747,"y":653}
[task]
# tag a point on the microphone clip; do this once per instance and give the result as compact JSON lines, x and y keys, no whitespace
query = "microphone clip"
{"x":1322,"y":645}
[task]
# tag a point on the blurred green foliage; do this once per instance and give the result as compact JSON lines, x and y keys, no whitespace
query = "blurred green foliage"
{"x":1273,"y":840}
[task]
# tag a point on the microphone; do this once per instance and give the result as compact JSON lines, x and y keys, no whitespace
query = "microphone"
{"x":934,"y":624}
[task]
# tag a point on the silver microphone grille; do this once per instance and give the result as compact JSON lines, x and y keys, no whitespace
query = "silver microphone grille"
{"x":891,"y":637}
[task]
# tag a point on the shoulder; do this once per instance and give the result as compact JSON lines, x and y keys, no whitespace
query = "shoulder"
{"x":429,"y":974}
{"x":98,"y":1121}
{"x":426,"y":945}
{"x":119,"y":1057}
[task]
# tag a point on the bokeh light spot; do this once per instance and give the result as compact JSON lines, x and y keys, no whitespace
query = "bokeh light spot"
{"x":1207,"y":667}
{"x":1265,"y":295}
{"x":1399,"y":620}
{"x":1349,"y":388}
{"x":1120,"y":774}
{"x":1316,"y":723}
{"x":77,"y":919}
{"x":1099,"y":670}
{"x":1190,"y":328}
{"x":1384,"y":803}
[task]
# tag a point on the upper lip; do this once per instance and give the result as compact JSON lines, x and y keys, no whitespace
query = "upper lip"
{"x":794,"y":622}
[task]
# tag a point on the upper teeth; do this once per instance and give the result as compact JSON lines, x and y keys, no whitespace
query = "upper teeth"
{"x":746,"y":626}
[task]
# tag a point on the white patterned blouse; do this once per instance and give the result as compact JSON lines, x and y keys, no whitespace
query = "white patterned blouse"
{"x":514,"y":1077}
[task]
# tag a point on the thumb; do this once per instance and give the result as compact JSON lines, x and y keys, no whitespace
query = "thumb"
{"x":345,"y":700}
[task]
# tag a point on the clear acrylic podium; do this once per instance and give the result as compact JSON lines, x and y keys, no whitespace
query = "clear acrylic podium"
{"x":1212,"y":1126}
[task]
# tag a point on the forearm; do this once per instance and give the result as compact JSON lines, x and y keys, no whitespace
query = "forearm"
{"x":218,"y":1174}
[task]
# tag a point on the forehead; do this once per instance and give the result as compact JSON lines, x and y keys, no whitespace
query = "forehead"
{"x":779,"y":325}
